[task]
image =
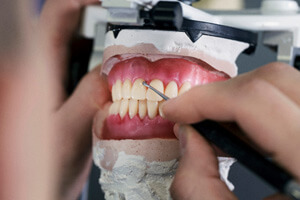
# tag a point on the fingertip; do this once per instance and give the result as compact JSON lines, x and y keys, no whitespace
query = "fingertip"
{"x":94,"y":88}
{"x":168,"y":109}
{"x":99,"y":119}
{"x":102,"y":113}
{"x":175,"y":129}
{"x":105,"y":109}
{"x":198,"y":173}
{"x":181,"y":132}
{"x":182,"y":109}
{"x":164,"y":109}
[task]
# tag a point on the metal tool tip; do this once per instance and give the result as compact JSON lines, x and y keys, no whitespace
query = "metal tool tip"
{"x":155,"y":90}
{"x":145,"y":84}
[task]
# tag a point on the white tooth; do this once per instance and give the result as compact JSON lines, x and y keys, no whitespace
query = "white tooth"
{"x":126,"y":89}
{"x":152,"y":107}
{"x":123,"y":108}
{"x":113,"y":93}
{"x":133,"y":108}
{"x":138,"y":90}
{"x":142,"y":108}
{"x":171,"y":90}
{"x":184,"y":88}
{"x":114,"y":108}
{"x":116,"y":91}
{"x":157,"y":84}
{"x":159,"y":109}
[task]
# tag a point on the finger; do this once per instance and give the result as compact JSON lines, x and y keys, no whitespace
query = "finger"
{"x":59,"y":20}
{"x":268,"y":116}
{"x":78,"y":111}
{"x":99,"y":119}
{"x":73,"y":121}
{"x":282,"y":76}
{"x":57,"y":24}
{"x":197,"y":176}
{"x":277,"y":197}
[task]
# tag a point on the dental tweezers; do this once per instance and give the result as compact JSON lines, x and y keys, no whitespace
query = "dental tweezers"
{"x":248,"y":156}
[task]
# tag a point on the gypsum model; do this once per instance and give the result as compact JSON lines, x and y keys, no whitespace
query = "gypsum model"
{"x":136,"y":148}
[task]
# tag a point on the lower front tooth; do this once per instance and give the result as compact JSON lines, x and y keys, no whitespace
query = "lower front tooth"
{"x":152,"y":107}
{"x":114,"y":108}
{"x":133,"y":108}
{"x":124,"y":108}
{"x":142,"y":108}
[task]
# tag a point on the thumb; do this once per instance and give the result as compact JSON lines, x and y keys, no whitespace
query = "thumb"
{"x":91,"y":94}
{"x":78,"y":111}
{"x":197,"y":176}
{"x":73,"y":123}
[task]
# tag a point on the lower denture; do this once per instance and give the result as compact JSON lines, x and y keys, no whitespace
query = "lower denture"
{"x":171,"y":76}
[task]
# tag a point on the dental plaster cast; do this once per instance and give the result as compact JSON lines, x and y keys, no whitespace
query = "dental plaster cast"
{"x":136,"y":149}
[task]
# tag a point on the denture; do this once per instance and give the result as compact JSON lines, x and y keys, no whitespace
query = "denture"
{"x":136,"y":148}
{"x":135,"y":111}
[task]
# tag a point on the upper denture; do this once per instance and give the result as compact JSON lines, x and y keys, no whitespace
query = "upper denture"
{"x":169,"y":69}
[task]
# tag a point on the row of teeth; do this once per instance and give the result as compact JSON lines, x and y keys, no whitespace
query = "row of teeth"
{"x":137,"y":99}
{"x":138,"y":91}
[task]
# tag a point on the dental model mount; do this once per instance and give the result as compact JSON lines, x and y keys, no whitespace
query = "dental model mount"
{"x":277,"y":20}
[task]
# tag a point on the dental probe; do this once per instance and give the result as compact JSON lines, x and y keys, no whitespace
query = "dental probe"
{"x":248,"y":156}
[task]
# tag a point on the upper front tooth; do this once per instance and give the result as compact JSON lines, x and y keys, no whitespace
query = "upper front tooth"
{"x":124,"y":108}
{"x":133,"y":108}
{"x":138,"y":90}
{"x":126,"y":89}
{"x":152,"y":107}
{"x":184,"y":88}
{"x":171,"y":90}
{"x":116,"y":91}
{"x":151,"y":95}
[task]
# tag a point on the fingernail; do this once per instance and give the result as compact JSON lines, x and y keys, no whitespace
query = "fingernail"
{"x":160,"y":110}
{"x":181,"y":133}
{"x":163,"y":106}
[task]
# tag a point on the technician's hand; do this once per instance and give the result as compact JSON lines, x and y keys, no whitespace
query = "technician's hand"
{"x":72,"y":115}
{"x":266,"y":105}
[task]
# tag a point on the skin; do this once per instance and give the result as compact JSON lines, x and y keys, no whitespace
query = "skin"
{"x":45,"y":136}
{"x":72,"y":116}
{"x":264,"y":103}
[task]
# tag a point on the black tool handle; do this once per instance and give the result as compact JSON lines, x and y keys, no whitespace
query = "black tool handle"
{"x":248,"y":156}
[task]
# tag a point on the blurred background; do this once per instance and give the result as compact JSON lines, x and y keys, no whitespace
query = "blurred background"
{"x":247,"y":185}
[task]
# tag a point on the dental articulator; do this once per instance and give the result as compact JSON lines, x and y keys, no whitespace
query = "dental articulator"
{"x":277,"y":21}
